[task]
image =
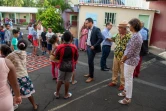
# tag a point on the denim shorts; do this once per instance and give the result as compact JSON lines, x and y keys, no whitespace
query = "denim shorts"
{"x":49,"y":47}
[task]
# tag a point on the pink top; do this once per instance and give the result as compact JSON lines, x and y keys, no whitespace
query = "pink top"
{"x":4,"y":87}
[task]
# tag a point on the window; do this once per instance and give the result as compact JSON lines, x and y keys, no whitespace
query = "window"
{"x":74,"y":20}
{"x":110,"y":17}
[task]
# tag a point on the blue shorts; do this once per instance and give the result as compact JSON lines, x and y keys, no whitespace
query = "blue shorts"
{"x":49,"y":47}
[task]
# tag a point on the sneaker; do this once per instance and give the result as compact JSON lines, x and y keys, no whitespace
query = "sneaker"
{"x":121,"y":88}
{"x":15,"y":106}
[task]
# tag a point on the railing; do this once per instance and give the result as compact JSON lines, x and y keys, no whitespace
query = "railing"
{"x":111,"y":2}
{"x":131,"y":3}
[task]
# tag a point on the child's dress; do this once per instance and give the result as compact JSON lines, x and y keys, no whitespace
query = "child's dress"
{"x":18,"y":58}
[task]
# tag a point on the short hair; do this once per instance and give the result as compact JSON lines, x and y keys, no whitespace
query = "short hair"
{"x":90,"y":20}
{"x":136,"y":24}
{"x":22,"y":44}
{"x":15,"y":31}
{"x":108,"y":23}
{"x":2,"y":26}
{"x":5,"y":50}
{"x":34,"y":25}
{"x":6,"y":25}
{"x":52,"y":40}
{"x":67,"y":36}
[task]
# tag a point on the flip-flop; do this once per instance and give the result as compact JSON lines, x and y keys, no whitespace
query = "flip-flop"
{"x":37,"y":108}
{"x":75,"y":82}
{"x":70,"y":95}
{"x":57,"y":97}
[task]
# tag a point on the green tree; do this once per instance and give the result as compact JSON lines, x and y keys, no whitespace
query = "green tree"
{"x":29,"y":3}
{"x":61,"y":4}
{"x":50,"y":17}
{"x":14,"y":3}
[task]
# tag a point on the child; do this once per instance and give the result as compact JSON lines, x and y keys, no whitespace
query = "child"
{"x":35,"y":40}
{"x":5,"y":50}
{"x":54,"y":41}
{"x":14,"y":40}
{"x":30,"y":32}
{"x":11,"y":23}
{"x":44,"y":42}
{"x":18,"y":58}
{"x":20,"y":34}
{"x":2,"y":33}
{"x":7,"y":36}
{"x":48,"y":36}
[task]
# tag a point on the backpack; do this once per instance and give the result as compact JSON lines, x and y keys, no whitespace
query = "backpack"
{"x":67,"y":62}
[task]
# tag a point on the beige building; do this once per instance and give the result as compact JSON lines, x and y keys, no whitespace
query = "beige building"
{"x":103,"y":14}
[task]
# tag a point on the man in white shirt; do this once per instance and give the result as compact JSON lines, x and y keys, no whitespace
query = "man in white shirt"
{"x":93,"y":46}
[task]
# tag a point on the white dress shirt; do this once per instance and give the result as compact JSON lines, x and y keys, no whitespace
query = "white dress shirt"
{"x":89,"y":36}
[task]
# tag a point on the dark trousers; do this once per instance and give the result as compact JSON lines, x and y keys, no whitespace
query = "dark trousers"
{"x":91,"y":55}
{"x":146,"y":45}
{"x":105,"y":53}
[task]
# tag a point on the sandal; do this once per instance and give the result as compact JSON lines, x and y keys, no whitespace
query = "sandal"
{"x":69,"y":96}
{"x":124,"y":101}
{"x":57,"y":97}
{"x":122,"y":94}
{"x":36,"y":108}
{"x":74,"y":82}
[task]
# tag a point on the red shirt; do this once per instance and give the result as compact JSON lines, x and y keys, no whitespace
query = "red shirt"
{"x":67,"y":52}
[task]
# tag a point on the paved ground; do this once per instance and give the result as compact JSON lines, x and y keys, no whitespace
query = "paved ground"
{"x":148,"y":93}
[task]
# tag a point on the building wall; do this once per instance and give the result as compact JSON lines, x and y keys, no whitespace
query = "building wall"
{"x":121,"y":14}
{"x":158,"y":37}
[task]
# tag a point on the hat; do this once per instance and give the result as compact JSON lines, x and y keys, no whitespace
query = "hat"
{"x":123,"y":24}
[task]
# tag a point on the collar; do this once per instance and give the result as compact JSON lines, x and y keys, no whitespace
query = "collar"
{"x":107,"y":29}
{"x":91,"y":27}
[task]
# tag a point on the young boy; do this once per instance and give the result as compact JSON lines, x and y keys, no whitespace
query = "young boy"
{"x":44,"y":42}
{"x":20,"y":34}
{"x":30,"y":32}
{"x":14,"y":40}
{"x":35,"y":40}
{"x":48,"y":36}
{"x":7,"y":36}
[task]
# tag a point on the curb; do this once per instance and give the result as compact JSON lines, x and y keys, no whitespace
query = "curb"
{"x":158,"y":55}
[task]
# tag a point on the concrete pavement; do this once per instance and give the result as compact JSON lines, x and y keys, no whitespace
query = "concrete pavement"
{"x":149,"y":92}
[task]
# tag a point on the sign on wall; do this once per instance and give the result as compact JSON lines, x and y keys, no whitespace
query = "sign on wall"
{"x":93,"y":16}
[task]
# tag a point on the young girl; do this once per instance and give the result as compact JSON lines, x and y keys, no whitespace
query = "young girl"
{"x":54,"y":41}
{"x":18,"y":58}
{"x":5,"y":50}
